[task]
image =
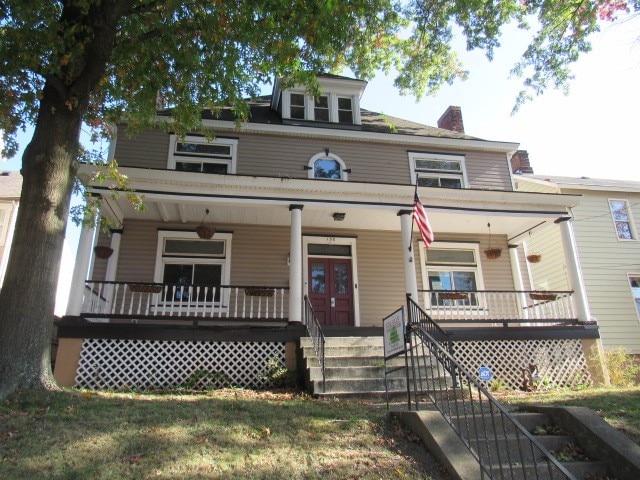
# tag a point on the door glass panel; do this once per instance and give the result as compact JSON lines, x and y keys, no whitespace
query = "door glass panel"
{"x":340,"y":278}
{"x":207,"y":276}
{"x":318,"y":277}
{"x":180,"y":276}
{"x":464,"y":281}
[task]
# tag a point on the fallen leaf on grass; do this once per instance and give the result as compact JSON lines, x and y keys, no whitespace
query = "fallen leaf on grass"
{"x":201,"y":440}
{"x":134,"y":459}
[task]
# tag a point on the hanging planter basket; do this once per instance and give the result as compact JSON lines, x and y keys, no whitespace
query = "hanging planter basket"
{"x":145,"y":288}
{"x":258,"y":292}
{"x":493,"y":253}
{"x":534,"y":258}
{"x":543,"y":296}
{"x":102,"y":251}
{"x":454,"y":296}
{"x":205,"y":232}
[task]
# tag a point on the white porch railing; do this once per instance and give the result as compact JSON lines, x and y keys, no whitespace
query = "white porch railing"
{"x":491,"y":306}
{"x":156,"y":300}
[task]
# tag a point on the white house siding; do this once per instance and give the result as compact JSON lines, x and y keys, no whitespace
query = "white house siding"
{"x":270,"y":155}
{"x":606,"y":262}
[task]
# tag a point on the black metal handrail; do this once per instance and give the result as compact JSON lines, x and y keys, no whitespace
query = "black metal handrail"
{"x":500,"y":444}
{"x":316,"y":334}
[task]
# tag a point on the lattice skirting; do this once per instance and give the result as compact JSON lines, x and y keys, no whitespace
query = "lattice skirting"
{"x":162,"y":364}
{"x":559,"y":363}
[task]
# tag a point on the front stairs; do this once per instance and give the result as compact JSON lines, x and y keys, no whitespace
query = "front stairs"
{"x":354,"y":368}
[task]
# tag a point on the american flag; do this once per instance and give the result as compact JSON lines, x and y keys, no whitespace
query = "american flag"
{"x":420,"y":216}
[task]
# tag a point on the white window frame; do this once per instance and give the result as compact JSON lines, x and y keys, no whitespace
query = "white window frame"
{"x":5,"y":221}
{"x":230,"y":162}
{"x":632,"y":228}
{"x":633,"y":294}
{"x":328,"y":240}
{"x":438,"y":157}
{"x":344,"y":176}
{"x":332,"y":101}
{"x":338,"y":109}
{"x":477,"y":269}
{"x":224,"y":260}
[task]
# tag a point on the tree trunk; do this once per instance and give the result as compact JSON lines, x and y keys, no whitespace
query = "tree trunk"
{"x":28,"y":294}
{"x":48,"y":167}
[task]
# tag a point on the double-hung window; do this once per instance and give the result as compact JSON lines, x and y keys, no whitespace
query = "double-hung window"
{"x":622,"y":221}
{"x":452,"y":267}
{"x":197,"y":154}
{"x":297,"y":108}
{"x":321,"y":109}
{"x":345,"y":110}
{"x":193,"y":269}
{"x":437,"y":170}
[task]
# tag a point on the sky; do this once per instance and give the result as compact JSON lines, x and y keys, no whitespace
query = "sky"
{"x":592,"y":132}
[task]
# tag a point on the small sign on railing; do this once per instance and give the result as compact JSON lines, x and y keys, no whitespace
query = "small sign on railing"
{"x":394,"y":342}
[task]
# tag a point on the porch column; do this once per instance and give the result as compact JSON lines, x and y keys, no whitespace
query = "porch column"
{"x":112,"y":263}
{"x":295,"y":264}
{"x":410,"y":281}
{"x":576,"y":283}
{"x":80,"y":269}
{"x":517,"y":278}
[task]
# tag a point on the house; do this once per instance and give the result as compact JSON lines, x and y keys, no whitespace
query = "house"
{"x":10,"y":187}
{"x":608,"y":247}
{"x":302,"y":216}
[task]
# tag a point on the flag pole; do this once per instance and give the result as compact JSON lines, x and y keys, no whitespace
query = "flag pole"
{"x":415,"y":197}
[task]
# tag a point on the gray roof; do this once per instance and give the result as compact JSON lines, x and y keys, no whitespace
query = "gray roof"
{"x":10,"y":185}
{"x":585,"y":182}
{"x":261,"y":112}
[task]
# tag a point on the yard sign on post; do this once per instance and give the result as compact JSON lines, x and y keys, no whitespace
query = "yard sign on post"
{"x":394,"y":345}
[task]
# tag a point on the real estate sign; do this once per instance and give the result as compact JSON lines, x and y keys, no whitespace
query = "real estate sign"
{"x":394,"y":342}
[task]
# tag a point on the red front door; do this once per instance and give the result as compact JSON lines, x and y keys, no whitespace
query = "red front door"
{"x":331,"y":290}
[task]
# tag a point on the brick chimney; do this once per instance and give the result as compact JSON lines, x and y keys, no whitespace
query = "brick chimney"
{"x":451,"y":119}
{"x":520,"y":162}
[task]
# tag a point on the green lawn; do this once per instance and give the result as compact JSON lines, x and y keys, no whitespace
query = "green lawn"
{"x":223,"y":434}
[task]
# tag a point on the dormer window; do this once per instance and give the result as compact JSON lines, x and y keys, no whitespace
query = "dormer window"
{"x":338,"y":102}
{"x":321,"y":109}
{"x":327,"y":166}
{"x":437,"y":170}
{"x":197,"y":154}
{"x":297,"y":106}
{"x":345,"y":110}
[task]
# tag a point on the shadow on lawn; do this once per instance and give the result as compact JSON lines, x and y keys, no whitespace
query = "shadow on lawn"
{"x":228,"y":434}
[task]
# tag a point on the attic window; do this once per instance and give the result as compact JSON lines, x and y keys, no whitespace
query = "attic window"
{"x":321,"y":109}
{"x":297,"y":106}
{"x":345,"y":110}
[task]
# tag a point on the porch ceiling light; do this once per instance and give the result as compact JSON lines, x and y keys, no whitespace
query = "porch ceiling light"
{"x":339,"y":216}
{"x":205,"y":231}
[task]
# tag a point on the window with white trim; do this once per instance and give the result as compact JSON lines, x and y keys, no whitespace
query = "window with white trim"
{"x":321,"y":108}
{"x":195,"y":267}
{"x":451,"y":267}
{"x":634,"y":282}
{"x":622,"y":220}
{"x":345,"y":110}
{"x":297,"y":106}
{"x":197,"y":154}
{"x":5,"y":215}
{"x":327,"y":166}
{"x":437,"y":170}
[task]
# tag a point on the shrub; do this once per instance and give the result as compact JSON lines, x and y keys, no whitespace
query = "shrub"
{"x":623,"y":367}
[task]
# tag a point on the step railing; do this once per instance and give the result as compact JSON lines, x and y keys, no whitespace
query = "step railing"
{"x":150,"y":299}
{"x":316,"y":334}
{"x":503,"y":448}
{"x":499,"y":306}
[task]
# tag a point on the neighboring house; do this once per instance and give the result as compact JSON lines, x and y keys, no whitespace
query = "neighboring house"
{"x":608,"y":247}
{"x":311,"y":202}
{"x":10,"y":187}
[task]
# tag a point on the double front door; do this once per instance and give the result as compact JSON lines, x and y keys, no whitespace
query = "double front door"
{"x":331,"y":290}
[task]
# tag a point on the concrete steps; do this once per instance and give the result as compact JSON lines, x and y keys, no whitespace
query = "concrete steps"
{"x":506,"y":454}
{"x":354,"y":367}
